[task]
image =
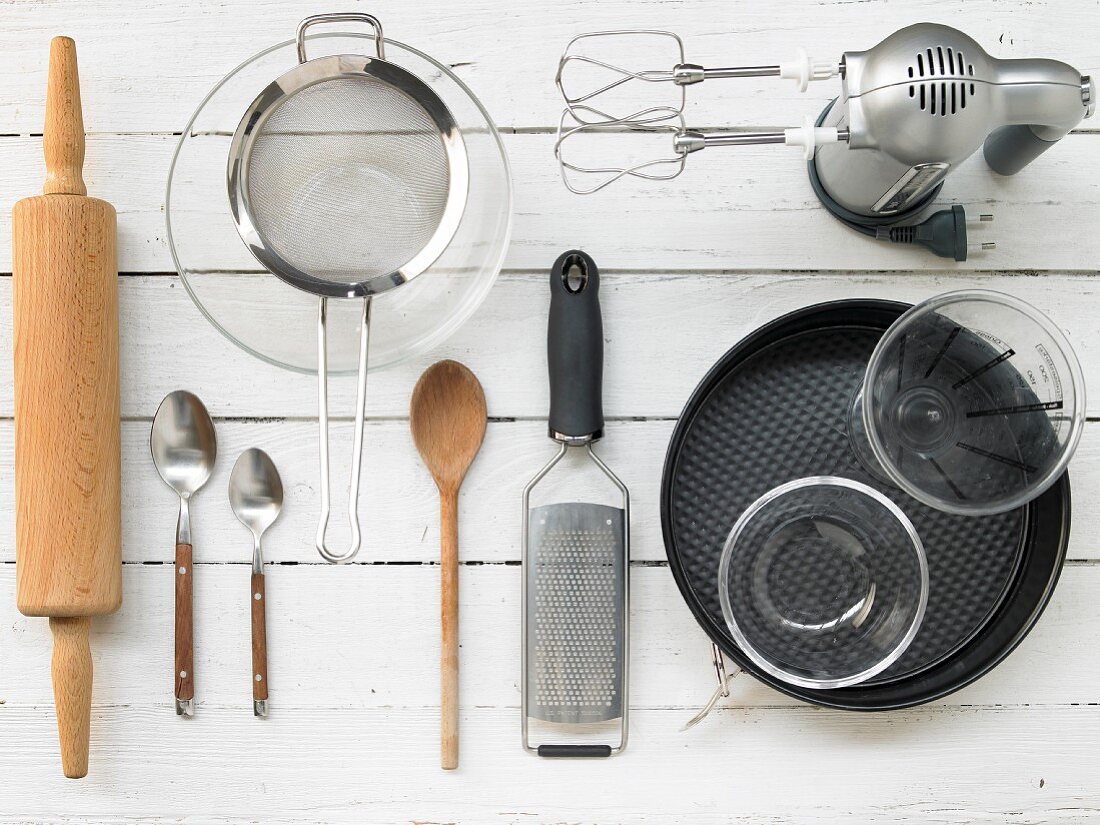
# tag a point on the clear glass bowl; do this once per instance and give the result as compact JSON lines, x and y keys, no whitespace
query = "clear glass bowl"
{"x":973,"y":403}
{"x":823,"y":582}
{"x":275,"y":321}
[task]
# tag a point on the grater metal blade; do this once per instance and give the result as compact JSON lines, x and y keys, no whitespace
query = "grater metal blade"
{"x":576,"y":621}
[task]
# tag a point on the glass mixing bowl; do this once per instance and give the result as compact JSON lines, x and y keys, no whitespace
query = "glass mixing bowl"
{"x":823,"y":582}
{"x":275,"y":321}
{"x":973,"y":403}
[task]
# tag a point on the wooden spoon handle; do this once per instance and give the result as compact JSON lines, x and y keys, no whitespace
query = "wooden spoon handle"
{"x":185,"y":633}
{"x":259,"y":645}
{"x":63,"y":133}
{"x":72,"y":691}
{"x":448,"y":664}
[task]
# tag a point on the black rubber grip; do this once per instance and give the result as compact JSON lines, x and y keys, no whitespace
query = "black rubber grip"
{"x":575,"y":349}
{"x":1011,"y":148}
{"x":566,"y":751}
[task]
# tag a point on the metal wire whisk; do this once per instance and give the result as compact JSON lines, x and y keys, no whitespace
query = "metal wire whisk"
{"x":581,"y":116}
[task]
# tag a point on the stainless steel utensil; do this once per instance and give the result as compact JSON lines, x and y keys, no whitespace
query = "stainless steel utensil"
{"x":256,"y":496}
{"x":576,"y":556}
{"x":609,"y":102}
{"x":347,"y":178}
{"x":911,"y":109}
{"x":681,"y":74}
{"x":184,"y":448}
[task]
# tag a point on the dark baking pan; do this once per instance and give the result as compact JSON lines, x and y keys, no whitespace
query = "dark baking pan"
{"x":773,"y":409}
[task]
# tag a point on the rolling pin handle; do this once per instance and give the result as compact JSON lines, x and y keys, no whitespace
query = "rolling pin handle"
{"x":72,"y":691}
{"x":63,"y":133}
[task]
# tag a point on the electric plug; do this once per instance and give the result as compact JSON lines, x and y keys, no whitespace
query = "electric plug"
{"x":944,"y":233}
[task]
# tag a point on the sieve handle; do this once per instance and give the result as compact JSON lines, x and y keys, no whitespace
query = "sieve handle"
{"x":341,"y":17}
{"x":575,"y":350}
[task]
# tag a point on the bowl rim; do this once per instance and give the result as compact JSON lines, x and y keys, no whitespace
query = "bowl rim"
{"x":1077,"y":421}
{"x":728,"y":612}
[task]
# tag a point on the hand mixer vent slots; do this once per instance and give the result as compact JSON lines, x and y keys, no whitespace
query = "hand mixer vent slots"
{"x":942,"y":80}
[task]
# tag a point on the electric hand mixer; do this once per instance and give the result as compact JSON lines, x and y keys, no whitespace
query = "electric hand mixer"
{"x":910,"y":110}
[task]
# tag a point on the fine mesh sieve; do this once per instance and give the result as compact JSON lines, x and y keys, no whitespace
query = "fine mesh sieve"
{"x":347,"y":177}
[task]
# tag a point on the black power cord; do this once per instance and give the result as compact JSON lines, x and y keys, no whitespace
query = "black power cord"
{"x":944,"y":233}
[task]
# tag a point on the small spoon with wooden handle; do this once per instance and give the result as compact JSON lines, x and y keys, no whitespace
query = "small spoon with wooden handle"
{"x":447,"y":415}
{"x":256,"y":496}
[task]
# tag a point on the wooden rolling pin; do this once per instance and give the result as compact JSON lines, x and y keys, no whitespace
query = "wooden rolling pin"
{"x":67,"y":458}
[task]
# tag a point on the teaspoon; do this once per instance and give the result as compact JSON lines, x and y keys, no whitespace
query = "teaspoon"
{"x":256,"y":495}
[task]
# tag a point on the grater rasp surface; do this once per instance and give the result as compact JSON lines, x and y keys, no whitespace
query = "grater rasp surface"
{"x":576,"y":612}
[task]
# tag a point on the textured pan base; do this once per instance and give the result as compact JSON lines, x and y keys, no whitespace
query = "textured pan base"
{"x":780,"y":414}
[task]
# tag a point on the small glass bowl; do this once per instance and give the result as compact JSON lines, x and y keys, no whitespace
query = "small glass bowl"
{"x":823,"y":582}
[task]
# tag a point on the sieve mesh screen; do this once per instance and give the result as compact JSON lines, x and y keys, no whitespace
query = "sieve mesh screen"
{"x":348,"y":179}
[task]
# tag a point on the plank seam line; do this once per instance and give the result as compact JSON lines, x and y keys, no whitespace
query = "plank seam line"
{"x":725,"y":707}
{"x":391,"y":419}
{"x":503,"y":129}
{"x":634,"y":563}
{"x":692,"y":272}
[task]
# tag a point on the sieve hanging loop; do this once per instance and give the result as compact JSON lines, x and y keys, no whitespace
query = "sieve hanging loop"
{"x":342,"y":17}
{"x":357,"y":444}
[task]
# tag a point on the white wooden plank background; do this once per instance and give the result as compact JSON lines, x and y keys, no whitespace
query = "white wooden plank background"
{"x":691,"y":266}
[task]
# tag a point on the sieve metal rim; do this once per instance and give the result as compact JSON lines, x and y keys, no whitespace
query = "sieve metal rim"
{"x":311,"y":73}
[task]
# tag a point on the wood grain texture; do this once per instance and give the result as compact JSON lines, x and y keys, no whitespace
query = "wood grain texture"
{"x":63,"y":135}
{"x":66,"y":405}
{"x":993,"y":765}
{"x":72,"y":684}
{"x":184,"y":676}
{"x":664,"y":330}
{"x":66,"y":397}
{"x":740,"y":210}
{"x":449,"y":626}
{"x":447,"y":415}
{"x":689,"y":267}
{"x":506,"y":52}
{"x":363,"y":637}
{"x":258,"y":598}
{"x":512,"y":453}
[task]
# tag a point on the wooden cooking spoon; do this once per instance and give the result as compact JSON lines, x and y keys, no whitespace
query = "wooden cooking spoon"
{"x":448,"y":417}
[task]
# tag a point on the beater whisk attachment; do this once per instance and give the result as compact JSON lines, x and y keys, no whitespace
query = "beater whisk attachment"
{"x":613,"y":77}
{"x":664,"y":121}
{"x":684,"y":141}
{"x":616,"y":98}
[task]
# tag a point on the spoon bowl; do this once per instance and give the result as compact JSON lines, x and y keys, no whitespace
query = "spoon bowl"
{"x":255,"y":491}
{"x":448,"y":417}
{"x":182,"y":442}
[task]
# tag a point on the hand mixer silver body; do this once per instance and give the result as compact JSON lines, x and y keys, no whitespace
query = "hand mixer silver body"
{"x":926,"y":98}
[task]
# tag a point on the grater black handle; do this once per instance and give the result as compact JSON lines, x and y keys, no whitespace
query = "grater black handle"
{"x":575,"y":350}
{"x":566,"y":751}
